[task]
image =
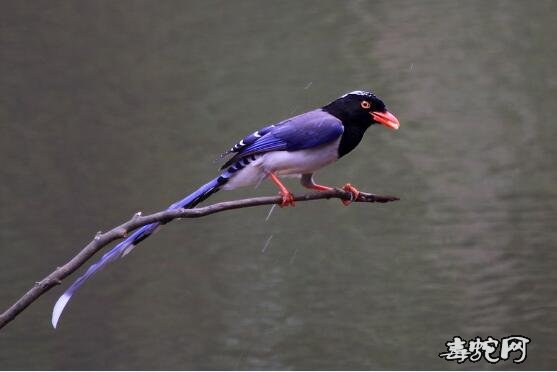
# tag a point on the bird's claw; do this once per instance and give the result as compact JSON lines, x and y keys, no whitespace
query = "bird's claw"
{"x":287,"y":199}
{"x":354,"y":194}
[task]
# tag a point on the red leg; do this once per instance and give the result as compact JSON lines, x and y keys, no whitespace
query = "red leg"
{"x":287,"y":197}
{"x":352,"y":190}
{"x":319,"y":187}
{"x":307,"y":182}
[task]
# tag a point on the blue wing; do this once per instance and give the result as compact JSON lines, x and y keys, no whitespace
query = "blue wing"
{"x":248,"y":140}
{"x":304,"y":131}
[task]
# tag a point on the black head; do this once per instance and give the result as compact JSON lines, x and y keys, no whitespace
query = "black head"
{"x":362,"y":109}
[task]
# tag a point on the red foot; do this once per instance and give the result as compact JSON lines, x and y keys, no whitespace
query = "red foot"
{"x":287,"y":199}
{"x":352,"y":190}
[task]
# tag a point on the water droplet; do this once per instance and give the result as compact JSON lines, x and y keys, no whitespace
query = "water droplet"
{"x":267,"y":243}
{"x":270,"y":212}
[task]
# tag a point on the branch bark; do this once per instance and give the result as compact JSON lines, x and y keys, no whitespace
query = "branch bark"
{"x":103,"y":239}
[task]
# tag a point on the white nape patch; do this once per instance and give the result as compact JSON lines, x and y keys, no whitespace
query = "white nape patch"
{"x":360,"y":93}
{"x":256,"y":134}
{"x":58,"y":308}
{"x":242,"y":143}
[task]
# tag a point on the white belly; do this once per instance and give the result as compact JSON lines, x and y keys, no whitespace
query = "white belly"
{"x":284,"y":163}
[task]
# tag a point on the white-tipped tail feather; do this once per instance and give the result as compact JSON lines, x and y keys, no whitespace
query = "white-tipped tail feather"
{"x":59,"y":307}
{"x":127,"y":245}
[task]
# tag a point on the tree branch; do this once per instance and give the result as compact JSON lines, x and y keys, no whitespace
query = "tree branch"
{"x":103,"y":239}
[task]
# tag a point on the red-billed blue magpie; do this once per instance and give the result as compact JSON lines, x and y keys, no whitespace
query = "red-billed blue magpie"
{"x":297,"y":146}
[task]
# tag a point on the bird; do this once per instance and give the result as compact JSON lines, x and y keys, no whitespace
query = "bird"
{"x":298,"y":146}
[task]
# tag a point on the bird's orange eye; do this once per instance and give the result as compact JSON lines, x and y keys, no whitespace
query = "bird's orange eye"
{"x":365,"y":105}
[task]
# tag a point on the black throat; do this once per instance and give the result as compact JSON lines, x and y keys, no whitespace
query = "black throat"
{"x":351,"y":137}
{"x":354,"y":127}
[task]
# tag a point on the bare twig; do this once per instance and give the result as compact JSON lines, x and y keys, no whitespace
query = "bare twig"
{"x":102,"y":239}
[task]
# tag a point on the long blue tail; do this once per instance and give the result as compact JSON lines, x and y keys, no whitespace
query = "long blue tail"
{"x":131,"y":241}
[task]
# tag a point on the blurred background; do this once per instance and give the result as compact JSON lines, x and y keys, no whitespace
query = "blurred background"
{"x":108,"y":108}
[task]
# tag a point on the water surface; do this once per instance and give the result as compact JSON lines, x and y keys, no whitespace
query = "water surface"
{"x":107,"y":108}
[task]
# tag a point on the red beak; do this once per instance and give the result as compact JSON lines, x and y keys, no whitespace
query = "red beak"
{"x":386,"y":118}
